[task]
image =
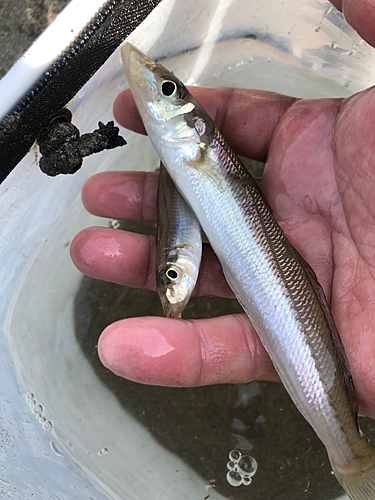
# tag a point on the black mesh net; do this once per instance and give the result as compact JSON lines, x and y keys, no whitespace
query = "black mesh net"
{"x":64,"y":78}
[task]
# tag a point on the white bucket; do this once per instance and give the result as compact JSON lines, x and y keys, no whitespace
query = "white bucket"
{"x":63,"y":433}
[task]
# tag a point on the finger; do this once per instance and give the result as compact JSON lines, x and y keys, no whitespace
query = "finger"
{"x":247,"y":118}
{"x":337,"y":4}
{"x":361,"y":15}
{"x":180,"y":353}
{"x":129,"y":259}
{"x":122,"y":195}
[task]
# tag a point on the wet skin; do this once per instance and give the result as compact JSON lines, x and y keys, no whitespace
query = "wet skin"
{"x":320,"y":182}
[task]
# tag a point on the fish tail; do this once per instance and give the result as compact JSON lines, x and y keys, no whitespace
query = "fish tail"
{"x":359,"y":484}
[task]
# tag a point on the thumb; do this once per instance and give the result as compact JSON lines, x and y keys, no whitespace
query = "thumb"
{"x":360,"y":14}
{"x":183,"y":353}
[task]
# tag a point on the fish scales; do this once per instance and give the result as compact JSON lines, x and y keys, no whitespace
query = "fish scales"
{"x":276,"y":287}
{"x":178,"y":248}
{"x":297,"y":341}
{"x":283,"y":264}
{"x":277,"y":294}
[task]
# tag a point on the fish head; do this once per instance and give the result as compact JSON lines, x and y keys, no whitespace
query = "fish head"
{"x":175,"y":285}
{"x":172,"y":117}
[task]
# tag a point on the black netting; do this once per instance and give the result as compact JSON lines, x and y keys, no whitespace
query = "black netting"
{"x":59,"y":84}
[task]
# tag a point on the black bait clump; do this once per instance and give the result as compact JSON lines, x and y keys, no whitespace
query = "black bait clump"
{"x":63,"y":147}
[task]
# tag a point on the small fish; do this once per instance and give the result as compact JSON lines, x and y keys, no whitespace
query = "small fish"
{"x":178,"y":248}
{"x":276,"y":287}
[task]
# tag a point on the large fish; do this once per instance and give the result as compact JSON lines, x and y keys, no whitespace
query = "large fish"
{"x":178,"y":248}
{"x":276,"y":287}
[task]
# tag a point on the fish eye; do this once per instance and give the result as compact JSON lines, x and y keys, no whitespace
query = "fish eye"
{"x":168,"y":88}
{"x":171,"y":274}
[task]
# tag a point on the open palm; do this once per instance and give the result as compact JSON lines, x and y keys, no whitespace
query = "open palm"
{"x":320,"y":182}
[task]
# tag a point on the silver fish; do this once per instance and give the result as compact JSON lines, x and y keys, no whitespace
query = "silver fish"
{"x":178,"y":248}
{"x":276,"y":287}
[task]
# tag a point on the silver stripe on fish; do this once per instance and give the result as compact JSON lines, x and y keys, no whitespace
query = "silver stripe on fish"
{"x":178,"y":248}
{"x":277,"y":289}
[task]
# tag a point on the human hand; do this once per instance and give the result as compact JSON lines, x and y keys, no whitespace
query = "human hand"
{"x":360,"y":14}
{"x":319,"y":180}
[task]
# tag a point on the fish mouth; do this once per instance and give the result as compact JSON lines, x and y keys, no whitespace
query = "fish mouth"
{"x":174,"y":310}
{"x":138,"y":67}
{"x":133,"y":57}
{"x":171,"y":309}
{"x":142,"y":75}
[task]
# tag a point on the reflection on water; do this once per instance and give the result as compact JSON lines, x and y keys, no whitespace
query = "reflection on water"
{"x":202,"y":425}
{"x":138,"y":441}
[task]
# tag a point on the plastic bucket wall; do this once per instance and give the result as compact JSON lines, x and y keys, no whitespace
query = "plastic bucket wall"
{"x":301,"y":48}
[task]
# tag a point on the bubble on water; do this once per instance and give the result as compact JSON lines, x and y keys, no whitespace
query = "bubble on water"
{"x":235,"y":455}
{"x":47,"y":425}
{"x":318,"y":29}
{"x":234,"y":478}
{"x":241,"y":468}
{"x":251,"y":60}
{"x":31,"y":403}
{"x":37,"y":410}
{"x":102,"y":452}
{"x":351,"y":53}
{"x":115,"y":224}
{"x":231,"y":465}
{"x":246,"y":480}
{"x":333,"y":45}
{"x":247,"y":465}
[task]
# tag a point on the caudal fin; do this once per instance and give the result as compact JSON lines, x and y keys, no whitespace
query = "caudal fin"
{"x":359,"y":485}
